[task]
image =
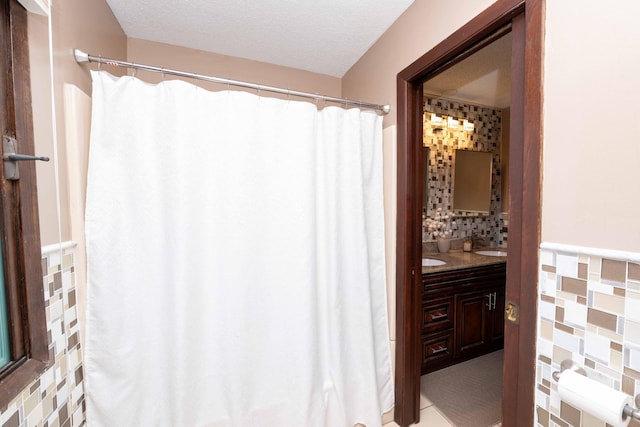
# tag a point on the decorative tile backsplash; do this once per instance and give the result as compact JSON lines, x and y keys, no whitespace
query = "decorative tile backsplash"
{"x":442,"y":143}
{"x":589,"y":312}
{"x":56,"y":398}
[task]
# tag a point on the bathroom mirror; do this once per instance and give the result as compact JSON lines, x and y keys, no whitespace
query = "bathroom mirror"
{"x":472,"y":181}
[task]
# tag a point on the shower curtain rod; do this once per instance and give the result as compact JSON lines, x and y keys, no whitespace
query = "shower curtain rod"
{"x":82,"y":57}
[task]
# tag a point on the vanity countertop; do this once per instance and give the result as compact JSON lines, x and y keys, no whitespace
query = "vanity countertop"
{"x":458,"y":259}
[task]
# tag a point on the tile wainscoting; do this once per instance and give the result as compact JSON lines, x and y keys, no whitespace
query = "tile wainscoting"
{"x":56,"y":398}
{"x":589,"y":312}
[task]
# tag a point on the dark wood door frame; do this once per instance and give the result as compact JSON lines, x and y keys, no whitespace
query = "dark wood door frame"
{"x":526,"y":18}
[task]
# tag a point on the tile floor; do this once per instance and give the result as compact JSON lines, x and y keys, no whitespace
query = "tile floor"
{"x":430,"y":416}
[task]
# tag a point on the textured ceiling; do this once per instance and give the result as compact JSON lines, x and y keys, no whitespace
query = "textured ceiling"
{"x":323,"y":36}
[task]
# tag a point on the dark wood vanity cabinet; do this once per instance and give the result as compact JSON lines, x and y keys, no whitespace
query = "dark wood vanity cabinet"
{"x":462,"y":314}
{"x":479,"y":322}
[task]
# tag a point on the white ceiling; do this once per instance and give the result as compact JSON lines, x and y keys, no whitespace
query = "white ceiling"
{"x":483,"y":78}
{"x":323,"y":36}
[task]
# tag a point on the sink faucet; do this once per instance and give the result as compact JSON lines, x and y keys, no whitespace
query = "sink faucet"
{"x":477,"y":240}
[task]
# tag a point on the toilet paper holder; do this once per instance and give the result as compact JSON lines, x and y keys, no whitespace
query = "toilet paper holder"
{"x":570,"y":365}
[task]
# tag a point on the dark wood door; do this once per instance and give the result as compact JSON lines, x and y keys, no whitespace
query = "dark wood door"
{"x":471,"y":323}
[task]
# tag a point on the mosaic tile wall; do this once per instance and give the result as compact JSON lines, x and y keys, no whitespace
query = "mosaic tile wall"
{"x":56,"y":399}
{"x":503,"y":234}
{"x":443,"y":143}
{"x":589,"y":311}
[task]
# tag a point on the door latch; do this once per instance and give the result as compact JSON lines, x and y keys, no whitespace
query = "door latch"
{"x":512,"y":312}
{"x":10,"y":158}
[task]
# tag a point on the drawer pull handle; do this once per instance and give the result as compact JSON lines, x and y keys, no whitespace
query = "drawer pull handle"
{"x":438,"y":316}
{"x":439,"y":350}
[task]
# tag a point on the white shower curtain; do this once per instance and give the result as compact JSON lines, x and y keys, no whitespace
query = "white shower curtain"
{"x":235,"y":261}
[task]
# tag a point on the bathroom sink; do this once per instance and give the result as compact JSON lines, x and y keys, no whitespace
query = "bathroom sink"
{"x":492,"y":253}
{"x":430,"y":262}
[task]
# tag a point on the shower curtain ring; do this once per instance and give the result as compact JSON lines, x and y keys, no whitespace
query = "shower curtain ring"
{"x":99,"y":62}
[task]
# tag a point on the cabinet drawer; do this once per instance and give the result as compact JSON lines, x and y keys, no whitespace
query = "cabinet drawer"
{"x":437,"y":350}
{"x":437,"y":314}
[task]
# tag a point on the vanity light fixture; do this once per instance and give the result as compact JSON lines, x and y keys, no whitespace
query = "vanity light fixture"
{"x":437,"y":121}
{"x":444,"y":122}
{"x":453,"y":123}
{"x":467,"y":125}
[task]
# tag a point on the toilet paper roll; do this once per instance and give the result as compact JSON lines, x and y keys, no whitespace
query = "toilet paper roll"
{"x":595,"y":398}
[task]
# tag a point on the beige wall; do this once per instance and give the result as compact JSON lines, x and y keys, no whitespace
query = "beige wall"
{"x":91,"y":26}
{"x":197,"y":61}
{"x":591,"y":155}
{"x":86,"y":24}
{"x":38,"y":27}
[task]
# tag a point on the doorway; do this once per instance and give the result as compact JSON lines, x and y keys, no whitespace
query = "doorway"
{"x":466,"y":138}
{"x":524,"y":18}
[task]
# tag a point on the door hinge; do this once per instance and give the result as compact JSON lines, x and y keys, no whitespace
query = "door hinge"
{"x":10,"y":158}
{"x":512,"y":312}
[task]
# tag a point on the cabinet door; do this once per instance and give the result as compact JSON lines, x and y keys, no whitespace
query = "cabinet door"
{"x":496,"y":336}
{"x":472,"y":314}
